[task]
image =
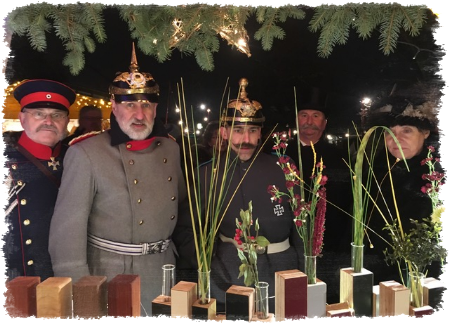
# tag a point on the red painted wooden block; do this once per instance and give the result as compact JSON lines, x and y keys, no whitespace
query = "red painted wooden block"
{"x":124,"y":296}
{"x":21,"y":296}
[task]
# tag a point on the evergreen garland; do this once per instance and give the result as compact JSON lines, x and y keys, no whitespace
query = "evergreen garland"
{"x":197,"y":29}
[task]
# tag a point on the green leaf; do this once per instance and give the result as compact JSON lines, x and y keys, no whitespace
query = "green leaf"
{"x":262,"y":241}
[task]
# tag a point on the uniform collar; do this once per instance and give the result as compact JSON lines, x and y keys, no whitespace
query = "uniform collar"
{"x":38,"y":150}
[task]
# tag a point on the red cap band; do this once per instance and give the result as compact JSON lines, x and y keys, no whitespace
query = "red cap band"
{"x":45,"y":97}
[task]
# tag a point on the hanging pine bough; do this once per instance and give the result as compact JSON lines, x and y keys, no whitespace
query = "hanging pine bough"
{"x":192,"y":27}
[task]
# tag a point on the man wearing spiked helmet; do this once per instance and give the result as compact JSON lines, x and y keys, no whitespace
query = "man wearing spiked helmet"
{"x":118,"y":202}
{"x":241,"y":127}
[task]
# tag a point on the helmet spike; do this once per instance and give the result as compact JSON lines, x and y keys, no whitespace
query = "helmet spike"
{"x":133,"y":67}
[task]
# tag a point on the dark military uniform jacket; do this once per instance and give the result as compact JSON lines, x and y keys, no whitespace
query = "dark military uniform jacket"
{"x":249,"y":181}
{"x":31,"y":199}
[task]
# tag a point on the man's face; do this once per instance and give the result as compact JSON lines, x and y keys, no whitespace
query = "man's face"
{"x":91,"y":121}
{"x":311,"y":125}
{"x":136,"y":119}
{"x":44,"y":126}
{"x":244,"y":139}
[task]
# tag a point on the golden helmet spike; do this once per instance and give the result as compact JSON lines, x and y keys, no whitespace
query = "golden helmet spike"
{"x":134,"y":67}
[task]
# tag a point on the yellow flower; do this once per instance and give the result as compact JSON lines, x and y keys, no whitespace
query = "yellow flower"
{"x":441,"y":215}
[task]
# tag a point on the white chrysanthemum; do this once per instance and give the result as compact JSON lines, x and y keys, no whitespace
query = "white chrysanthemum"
{"x":441,"y":215}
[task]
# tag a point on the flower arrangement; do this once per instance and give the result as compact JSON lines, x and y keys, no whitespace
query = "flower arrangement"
{"x":250,"y":246}
{"x":309,"y":213}
{"x":438,"y":191}
{"x":206,"y":198}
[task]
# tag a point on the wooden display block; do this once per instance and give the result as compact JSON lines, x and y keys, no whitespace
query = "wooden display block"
{"x":124,"y":296}
{"x":394,"y":298}
{"x":161,"y":305}
{"x":3,"y":281}
{"x":204,"y":311}
{"x":421,"y":311}
{"x":240,"y":302}
{"x":375,"y":300}
{"x":220,"y":319}
{"x":269,"y":319}
{"x":21,"y":296}
{"x":290,"y":295}
{"x":357,"y":290}
{"x":90,"y":297}
{"x":433,"y":290}
{"x":183,"y":295}
{"x":54,"y":298}
{"x":339,"y":310}
{"x":316,"y":299}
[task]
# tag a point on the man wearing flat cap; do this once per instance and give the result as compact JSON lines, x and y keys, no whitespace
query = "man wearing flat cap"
{"x":248,"y":181}
{"x":34,"y":164}
{"x":312,"y":116}
{"x":118,"y":202}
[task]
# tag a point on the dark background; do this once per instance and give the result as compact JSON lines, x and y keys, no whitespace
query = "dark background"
{"x":353,"y":71}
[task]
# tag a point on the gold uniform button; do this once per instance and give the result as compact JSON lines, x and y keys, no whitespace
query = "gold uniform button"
{"x":19,"y":182}
{"x":28,"y":242}
{"x":131,"y":162}
{"x":169,"y":178}
{"x":136,"y":181}
{"x":128,"y":146}
{"x":23,"y":201}
{"x":26,"y":222}
{"x":158,"y":143}
{"x":172,"y":217}
{"x":139,"y":200}
{"x":30,"y":262}
{"x":173,"y":198}
{"x":14,"y":166}
{"x":165,"y":160}
{"x":140,"y":222}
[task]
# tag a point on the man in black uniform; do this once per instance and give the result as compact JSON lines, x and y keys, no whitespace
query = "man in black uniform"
{"x":34,"y":163}
{"x":312,"y":121}
{"x":254,"y":172}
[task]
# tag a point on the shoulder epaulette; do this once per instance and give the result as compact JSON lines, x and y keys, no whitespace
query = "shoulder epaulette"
{"x":84,"y":137}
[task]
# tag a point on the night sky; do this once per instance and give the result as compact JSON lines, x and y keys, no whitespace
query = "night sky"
{"x":352,"y":71}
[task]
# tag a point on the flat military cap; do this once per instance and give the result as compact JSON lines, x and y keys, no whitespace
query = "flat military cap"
{"x":42,"y":93}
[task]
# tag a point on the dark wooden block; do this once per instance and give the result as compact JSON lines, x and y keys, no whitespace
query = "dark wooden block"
{"x":124,"y":296}
{"x":3,"y":281}
{"x":291,"y":294}
{"x":21,"y":296}
{"x":357,"y":290}
{"x":90,"y":297}
{"x":433,"y":290}
{"x":240,"y":303}
{"x":161,"y":305}
{"x":204,"y":311}
{"x":421,"y":311}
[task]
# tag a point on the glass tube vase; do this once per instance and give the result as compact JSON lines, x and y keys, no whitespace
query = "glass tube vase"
{"x":168,"y":280}
{"x":203,"y":287}
{"x":262,"y":311}
{"x":310,"y":268}
{"x":356,"y":257}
